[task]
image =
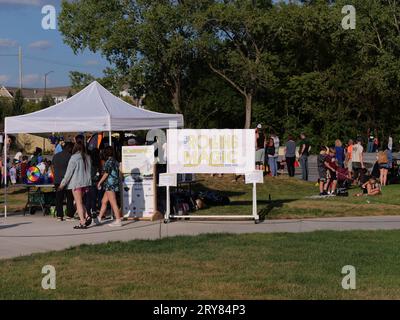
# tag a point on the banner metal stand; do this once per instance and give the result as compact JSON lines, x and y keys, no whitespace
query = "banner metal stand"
{"x":169,"y":180}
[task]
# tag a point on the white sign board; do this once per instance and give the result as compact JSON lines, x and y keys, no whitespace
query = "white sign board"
{"x":138,"y":185}
{"x":138,"y":158}
{"x":167,"y":180}
{"x":254,"y":177}
{"x":210,"y":151}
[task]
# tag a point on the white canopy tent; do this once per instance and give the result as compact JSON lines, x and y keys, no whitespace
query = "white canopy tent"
{"x":92,"y":109}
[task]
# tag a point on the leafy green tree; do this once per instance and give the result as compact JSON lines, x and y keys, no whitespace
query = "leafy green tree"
{"x":80,"y":80}
{"x":47,"y":101}
{"x":237,"y":37}
{"x":146,"y":37}
{"x":30,"y":106}
{"x":5,"y":107}
{"x":18,"y":102}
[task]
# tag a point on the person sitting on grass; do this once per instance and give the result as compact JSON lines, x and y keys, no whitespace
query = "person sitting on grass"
{"x":371,"y":188}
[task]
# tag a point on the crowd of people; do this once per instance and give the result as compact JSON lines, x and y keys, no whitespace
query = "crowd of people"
{"x":90,"y":175}
{"x":87,"y":180}
{"x":338,"y":165}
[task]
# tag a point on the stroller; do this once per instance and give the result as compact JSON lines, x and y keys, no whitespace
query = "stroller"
{"x":344,"y":182}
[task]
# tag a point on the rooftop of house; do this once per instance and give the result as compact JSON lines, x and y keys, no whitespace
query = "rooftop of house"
{"x":36,"y":93}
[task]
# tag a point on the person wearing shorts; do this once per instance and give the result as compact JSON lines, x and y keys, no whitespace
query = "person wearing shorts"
{"x":77,"y":178}
{"x":331,"y":166}
{"x":322,"y":173}
{"x":111,"y":181}
{"x":357,"y":159}
{"x":260,"y":148}
{"x":349,"y":151}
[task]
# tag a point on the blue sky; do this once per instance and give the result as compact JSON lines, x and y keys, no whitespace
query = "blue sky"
{"x":43,"y":50}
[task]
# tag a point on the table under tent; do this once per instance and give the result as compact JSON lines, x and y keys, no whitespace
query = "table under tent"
{"x":94,"y":109}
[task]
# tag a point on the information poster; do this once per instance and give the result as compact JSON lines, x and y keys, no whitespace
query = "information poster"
{"x":210,"y":151}
{"x":138,"y":194}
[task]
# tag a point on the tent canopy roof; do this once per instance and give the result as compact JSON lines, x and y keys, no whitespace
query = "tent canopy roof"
{"x":92,"y":109}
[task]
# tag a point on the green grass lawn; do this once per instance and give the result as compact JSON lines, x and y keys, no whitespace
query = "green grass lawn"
{"x":256,"y":266}
{"x":289,"y":199}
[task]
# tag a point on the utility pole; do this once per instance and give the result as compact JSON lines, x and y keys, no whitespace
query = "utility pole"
{"x":45,"y":82}
{"x":20,"y":67}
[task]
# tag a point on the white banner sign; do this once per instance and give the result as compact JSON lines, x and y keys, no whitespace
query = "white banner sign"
{"x":255,"y":177}
{"x":167,"y":180}
{"x":210,"y":151}
{"x":138,"y":160}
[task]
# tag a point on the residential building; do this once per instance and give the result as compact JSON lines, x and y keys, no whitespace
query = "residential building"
{"x":59,"y":94}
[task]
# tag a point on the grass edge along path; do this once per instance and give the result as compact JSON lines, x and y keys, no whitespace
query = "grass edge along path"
{"x":217,"y":266}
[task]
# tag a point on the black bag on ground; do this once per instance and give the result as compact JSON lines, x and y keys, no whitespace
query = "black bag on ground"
{"x":213,"y":198}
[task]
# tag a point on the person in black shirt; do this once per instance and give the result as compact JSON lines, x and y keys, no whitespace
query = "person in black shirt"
{"x":60,"y":164}
{"x":260,"y":148}
{"x":303,"y":156}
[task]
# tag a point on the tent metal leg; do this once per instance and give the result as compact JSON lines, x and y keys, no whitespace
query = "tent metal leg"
{"x":5,"y":173}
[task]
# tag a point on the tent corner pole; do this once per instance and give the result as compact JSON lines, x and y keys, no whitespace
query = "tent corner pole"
{"x":110,"y":138}
{"x":5,"y":142}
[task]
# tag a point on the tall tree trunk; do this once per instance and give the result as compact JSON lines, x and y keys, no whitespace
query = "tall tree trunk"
{"x":176,"y":96}
{"x":249,"y":100}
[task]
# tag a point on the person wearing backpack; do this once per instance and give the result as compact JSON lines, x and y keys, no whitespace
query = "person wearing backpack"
{"x":385,"y":159}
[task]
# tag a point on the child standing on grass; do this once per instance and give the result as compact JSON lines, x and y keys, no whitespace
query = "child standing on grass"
{"x":322,"y":171}
{"x":111,"y":182}
{"x":13,"y":174}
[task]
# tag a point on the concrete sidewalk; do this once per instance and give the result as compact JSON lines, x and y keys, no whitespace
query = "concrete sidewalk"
{"x":21,"y":235}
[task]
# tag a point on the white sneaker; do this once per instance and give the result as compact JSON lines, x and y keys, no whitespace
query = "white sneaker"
{"x":97,"y":221}
{"x":115,"y":224}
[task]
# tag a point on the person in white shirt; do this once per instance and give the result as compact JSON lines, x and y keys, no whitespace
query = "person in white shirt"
{"x":390,"y":142}
{"x":13,"y":174}
{"x":274,"y":168}
{"x":357,"y":159}
{"x":18,"y":155}
{"x":1,"y":142}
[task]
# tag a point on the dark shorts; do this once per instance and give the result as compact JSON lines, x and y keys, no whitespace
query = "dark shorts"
{"x":114,"y":188}
{"x":322,"y":174}
{"x":356,"y":165}
{"x":383,"y":166}
{"x":333,"y":175}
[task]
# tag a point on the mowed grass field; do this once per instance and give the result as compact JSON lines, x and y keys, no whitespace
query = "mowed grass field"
{"x":251,"y":266}
{"x":289,"y":199}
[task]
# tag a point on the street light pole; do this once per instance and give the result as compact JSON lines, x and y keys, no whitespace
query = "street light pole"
{"x":45,"y":82}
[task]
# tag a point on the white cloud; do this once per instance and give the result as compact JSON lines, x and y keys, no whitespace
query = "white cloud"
{"x":92,"y":63}
{"x":30,"y":79}
{"x":4,"y":79}
{"x":7,"y":43}
{"x":41,"y":44}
